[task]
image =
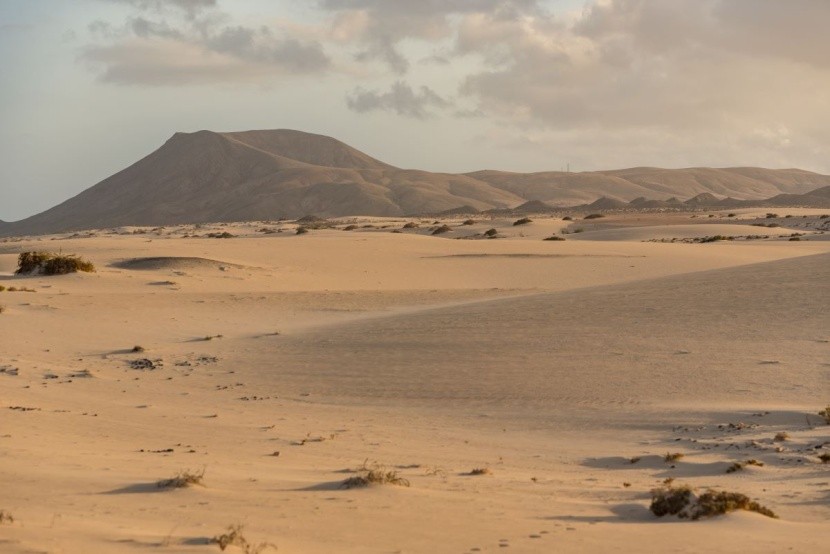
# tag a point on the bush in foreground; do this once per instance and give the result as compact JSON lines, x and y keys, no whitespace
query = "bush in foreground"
{"x":47,"y":263}
{"x":685,"y":504}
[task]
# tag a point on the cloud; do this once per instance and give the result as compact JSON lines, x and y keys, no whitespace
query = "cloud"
{"x":379,"y":27}
{"x":186,"y":42}
{"x":401,"y":99}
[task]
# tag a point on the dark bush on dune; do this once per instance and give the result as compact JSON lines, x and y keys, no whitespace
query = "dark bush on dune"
{"x":442,"y":229}
{"x":522,"y":221}
{"x":47,"y":263}
{"x":594,"y":216}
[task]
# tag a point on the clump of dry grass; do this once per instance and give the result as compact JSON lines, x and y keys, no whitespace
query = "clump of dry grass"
{"x":183,"y":479}
{"x":480,"y":471}
{"x":48,"y":263}
{"x":672,"y":457}
{"x":781,"y":436}
{"x":522,"y":221}
{"x":234,"y":537}
{"x":5,"y":517}
{"x":825,"y":458}
{"x":738,"y":466}
{"x":684,"y":503}
{"x":825,"y":413}
{"x":374,"y":474}
{"x":442,"y":229}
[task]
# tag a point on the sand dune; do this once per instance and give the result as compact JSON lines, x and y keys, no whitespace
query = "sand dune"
{"x":567,"y":369}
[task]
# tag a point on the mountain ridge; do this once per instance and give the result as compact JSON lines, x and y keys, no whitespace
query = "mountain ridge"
{"x":208,"y":176}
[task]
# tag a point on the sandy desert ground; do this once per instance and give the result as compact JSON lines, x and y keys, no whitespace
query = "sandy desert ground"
{"x":280,"y":364}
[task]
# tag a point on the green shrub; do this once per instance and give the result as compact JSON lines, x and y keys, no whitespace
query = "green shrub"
{"x":48,"y":263}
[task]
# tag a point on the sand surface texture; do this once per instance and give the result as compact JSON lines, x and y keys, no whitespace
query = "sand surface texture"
{"x":275,"y":366}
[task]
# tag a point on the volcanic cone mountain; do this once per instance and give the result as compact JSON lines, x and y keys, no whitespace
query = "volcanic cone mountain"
{"x":261,"y":175}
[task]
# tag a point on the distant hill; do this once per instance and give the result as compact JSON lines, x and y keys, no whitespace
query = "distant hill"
{"x":259,"y":175}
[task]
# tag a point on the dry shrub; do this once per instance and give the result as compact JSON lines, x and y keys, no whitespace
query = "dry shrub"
{"x":183,"y":479}
{"x":234,"y":537}
{"x":47,"y":263}
{"x":374,"y":475}
{"x":685,"y":504}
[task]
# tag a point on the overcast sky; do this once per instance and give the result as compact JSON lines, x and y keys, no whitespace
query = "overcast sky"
{"x":90,"y":86}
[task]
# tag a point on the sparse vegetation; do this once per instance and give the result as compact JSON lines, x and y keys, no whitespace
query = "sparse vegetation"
{"x":2,"y":308}
{"x":183,"y":479}
{"x":670,"y":457}
{"x":738,"y":466}
{"x":522,"y":221}
{"x":47,"y":263}
{"x":480,"y":471}
{"x":685,"y":504}
{"x":781,"y":436}
{"x":222,"y":235}
{"x":350,"y":227}
{"x":594,"y":216}
{"x":469,"y":222}
{"x":374,"y":475}
{"x":410,"y":225}
{"x":554,"y":237}
{"x":824,"y":457}
{"x":567,"y":218}
{"x":491,"y":233}
{"x":234,"y":537}
{"x":5,"y":517}
{"x":441,"y":230}
{"x":137,"y":348}
{"x":825,"y":413}
{"x":302,"y":230}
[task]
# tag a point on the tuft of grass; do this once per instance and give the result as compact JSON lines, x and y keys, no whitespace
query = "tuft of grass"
{"x":222,"y":235}
{"x":593,"y":216}
{"x":302,"y":230}
{"x":5,"y":517}
{"x":491,"y":233}
{"x":183,"y":479}
{"x":374,"y":475}
{"x":137,"y":348}
{"x":442,"y":229}
{"x":211,"y":337}
{"x":781,"y":436}
{"x":522,"y":221}
{"x":825,"y":413}
{"x":825,"y":458}
{"x":350,"y":227}
{"x":672,"y":457}
{"x":2,"y":288}
{"x":47,"y":263}
{"x":634,"y":460}
{"x":554,"y":237}
{"x":480,"y":471}
{"x":469,"y":222}
{"x":739,"y":466}
{"x":234,"y":537}
{"x":410,"y":225}
{"x":684,"y":503}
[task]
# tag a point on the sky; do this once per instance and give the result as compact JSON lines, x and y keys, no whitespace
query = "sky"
{"x":88,"y":87}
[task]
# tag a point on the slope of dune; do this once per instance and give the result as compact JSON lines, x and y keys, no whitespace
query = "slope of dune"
{"x":261,"y":175}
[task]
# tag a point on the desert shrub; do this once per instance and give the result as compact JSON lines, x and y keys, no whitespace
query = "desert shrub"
{"x":672,"y":457}
{"x":794,"y":238}
{"x":567,"y":218}
{"x":771,"y":216}
{"x":469,"y":222}
{"x":374,"y":475}
{"x":5,"y":517}
{"x":480,"y":471}
{"x":222,"y":235}
{"x":183,"y":479}
{"x":825,"y":458}
{"x":685,"y":504}
{"x":2,"y":308}
{"x":234,"y":537}
{"x":48,"y":263}
{"x":441,"y":230}
{"x":302,"y":230}
{"x":410,"y":225}
{"x":731,"y":215}
{"x":491,"y":233}
{"x":578,"y":230}
{"x":350,"y":227}
{"x":522,"y":221}
{"x":781,"y":436}
{"x":594,"y":216}
{"x":554,"y":237}
{"x":2,"y":288}
{"x":738,"y":466}
{"x":825,"y":413}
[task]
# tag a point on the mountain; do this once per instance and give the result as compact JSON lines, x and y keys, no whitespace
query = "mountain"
{"x":261,"y":175}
